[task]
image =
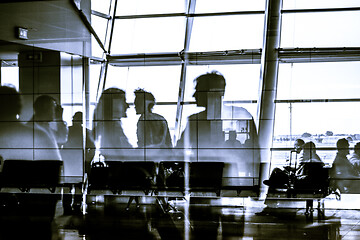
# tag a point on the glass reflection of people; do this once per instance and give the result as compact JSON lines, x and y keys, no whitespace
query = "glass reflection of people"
{"x":75,"y":139}
{"x":342,"y":169}
{"x":204,"y":128}
{"x":107,"y":129}
{"x":73,"y":155}
{"x":17,"y":141}
{"x":232,"y":141}
{"x":152,"y":128}
{"x":48,"y":118}
{"x":203,"y":134}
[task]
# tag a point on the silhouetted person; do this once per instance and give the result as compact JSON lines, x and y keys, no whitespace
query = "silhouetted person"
{"x":48,"y":118}
{"x":279,"y":178}
{"x":76,"y":139}
{"x":74,"y":153}
{"x":204,"y":129}
{"x":232,"y":141}
{"x":342,"y":168}
{"x":355,"y":157}
{"x":107,"y":128}
{"x":18,"y":141}
{"x":152,"y":128}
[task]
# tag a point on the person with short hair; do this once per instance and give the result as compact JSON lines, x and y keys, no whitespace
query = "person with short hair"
{"x":152,"y":128}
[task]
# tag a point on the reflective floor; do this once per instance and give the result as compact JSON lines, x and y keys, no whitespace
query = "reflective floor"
{"x":199,"y":221}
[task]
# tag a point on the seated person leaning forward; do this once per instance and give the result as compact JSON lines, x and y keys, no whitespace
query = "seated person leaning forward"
{"x":301,"y":176}
{"x":17,"y":141}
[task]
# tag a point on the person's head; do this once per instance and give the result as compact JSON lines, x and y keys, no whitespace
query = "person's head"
{"x":232,"y":135}
{"x":10,"y":103}
{"x":44,"y":108}
{"x":298,"y":145}
{"x":77,"y":118}
{"x":112,"y":105}
{"x":309,"y":150}
{"x":144,"y":101}
{"x":212,"y":82}
{"x":342,"y":146}
{"x":357,"y":148}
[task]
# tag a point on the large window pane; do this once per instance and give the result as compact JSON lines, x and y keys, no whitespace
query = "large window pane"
{"x":317,"y":118}
{"x":161,"y":81}
{"x":332,"y":80}
{"x":137,"y":7}
{"x":10,"y":76}
{"x":227,"y":33}
{"x":101,"y":6}
{"x":309,"y":4}
{"x":208,"y":6}
{"x":148,"y":35}
{"x":329,"y":29}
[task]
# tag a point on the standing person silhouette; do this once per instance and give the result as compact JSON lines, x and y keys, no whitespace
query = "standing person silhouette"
{"x":203,"y":128}
{"x":152,"y":129}
{"x":107,"y":129}
{"x":75,"y":139}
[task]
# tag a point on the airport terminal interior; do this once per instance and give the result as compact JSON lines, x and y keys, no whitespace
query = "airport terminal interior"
{"x":179,"y":119}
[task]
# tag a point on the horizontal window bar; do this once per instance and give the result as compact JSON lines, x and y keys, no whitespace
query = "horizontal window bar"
{"x":317,"y":10}
{"x":189,"y":15}
{"x":318,"y":100}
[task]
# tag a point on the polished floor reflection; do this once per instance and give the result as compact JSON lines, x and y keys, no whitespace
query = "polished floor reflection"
{"x":205,"y":222}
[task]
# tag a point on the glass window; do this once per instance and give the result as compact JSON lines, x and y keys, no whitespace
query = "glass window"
{"x":227,"y":33}
{"x":10,"y":76}
{"x":148,"y":35}
{"x":330,"y":80}
{"x":310,"y":4}
{"x":154,"y":79}
{"x":138,"y":7}
{"x":209,"y":6}
{"x":101,"y":6}
{"x":327,"y":29}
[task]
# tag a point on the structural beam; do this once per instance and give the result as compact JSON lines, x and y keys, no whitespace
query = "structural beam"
{"x":268,"y":85}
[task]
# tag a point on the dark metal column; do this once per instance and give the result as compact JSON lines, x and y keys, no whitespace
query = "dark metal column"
{"x":268,"y":85}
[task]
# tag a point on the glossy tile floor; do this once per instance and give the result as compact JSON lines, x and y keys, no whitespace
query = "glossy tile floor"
{"x":199,"y":221}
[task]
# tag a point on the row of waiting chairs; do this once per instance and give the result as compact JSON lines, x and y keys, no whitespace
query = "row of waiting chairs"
{"x":118,"y":176}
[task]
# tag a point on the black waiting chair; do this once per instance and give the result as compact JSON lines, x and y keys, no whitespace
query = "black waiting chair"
{"x":206,"y":176}
{"x":27,"y":174}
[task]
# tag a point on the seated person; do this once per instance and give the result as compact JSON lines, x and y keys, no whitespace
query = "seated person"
{"x":342,"y":169}
{"x":279,"y":177}
{"x":355,"y":157}
{"x":303,"y":175}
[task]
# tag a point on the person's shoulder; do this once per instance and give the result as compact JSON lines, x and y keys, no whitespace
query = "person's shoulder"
{"x":198,"y":116}
{"x":156,"y":116}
